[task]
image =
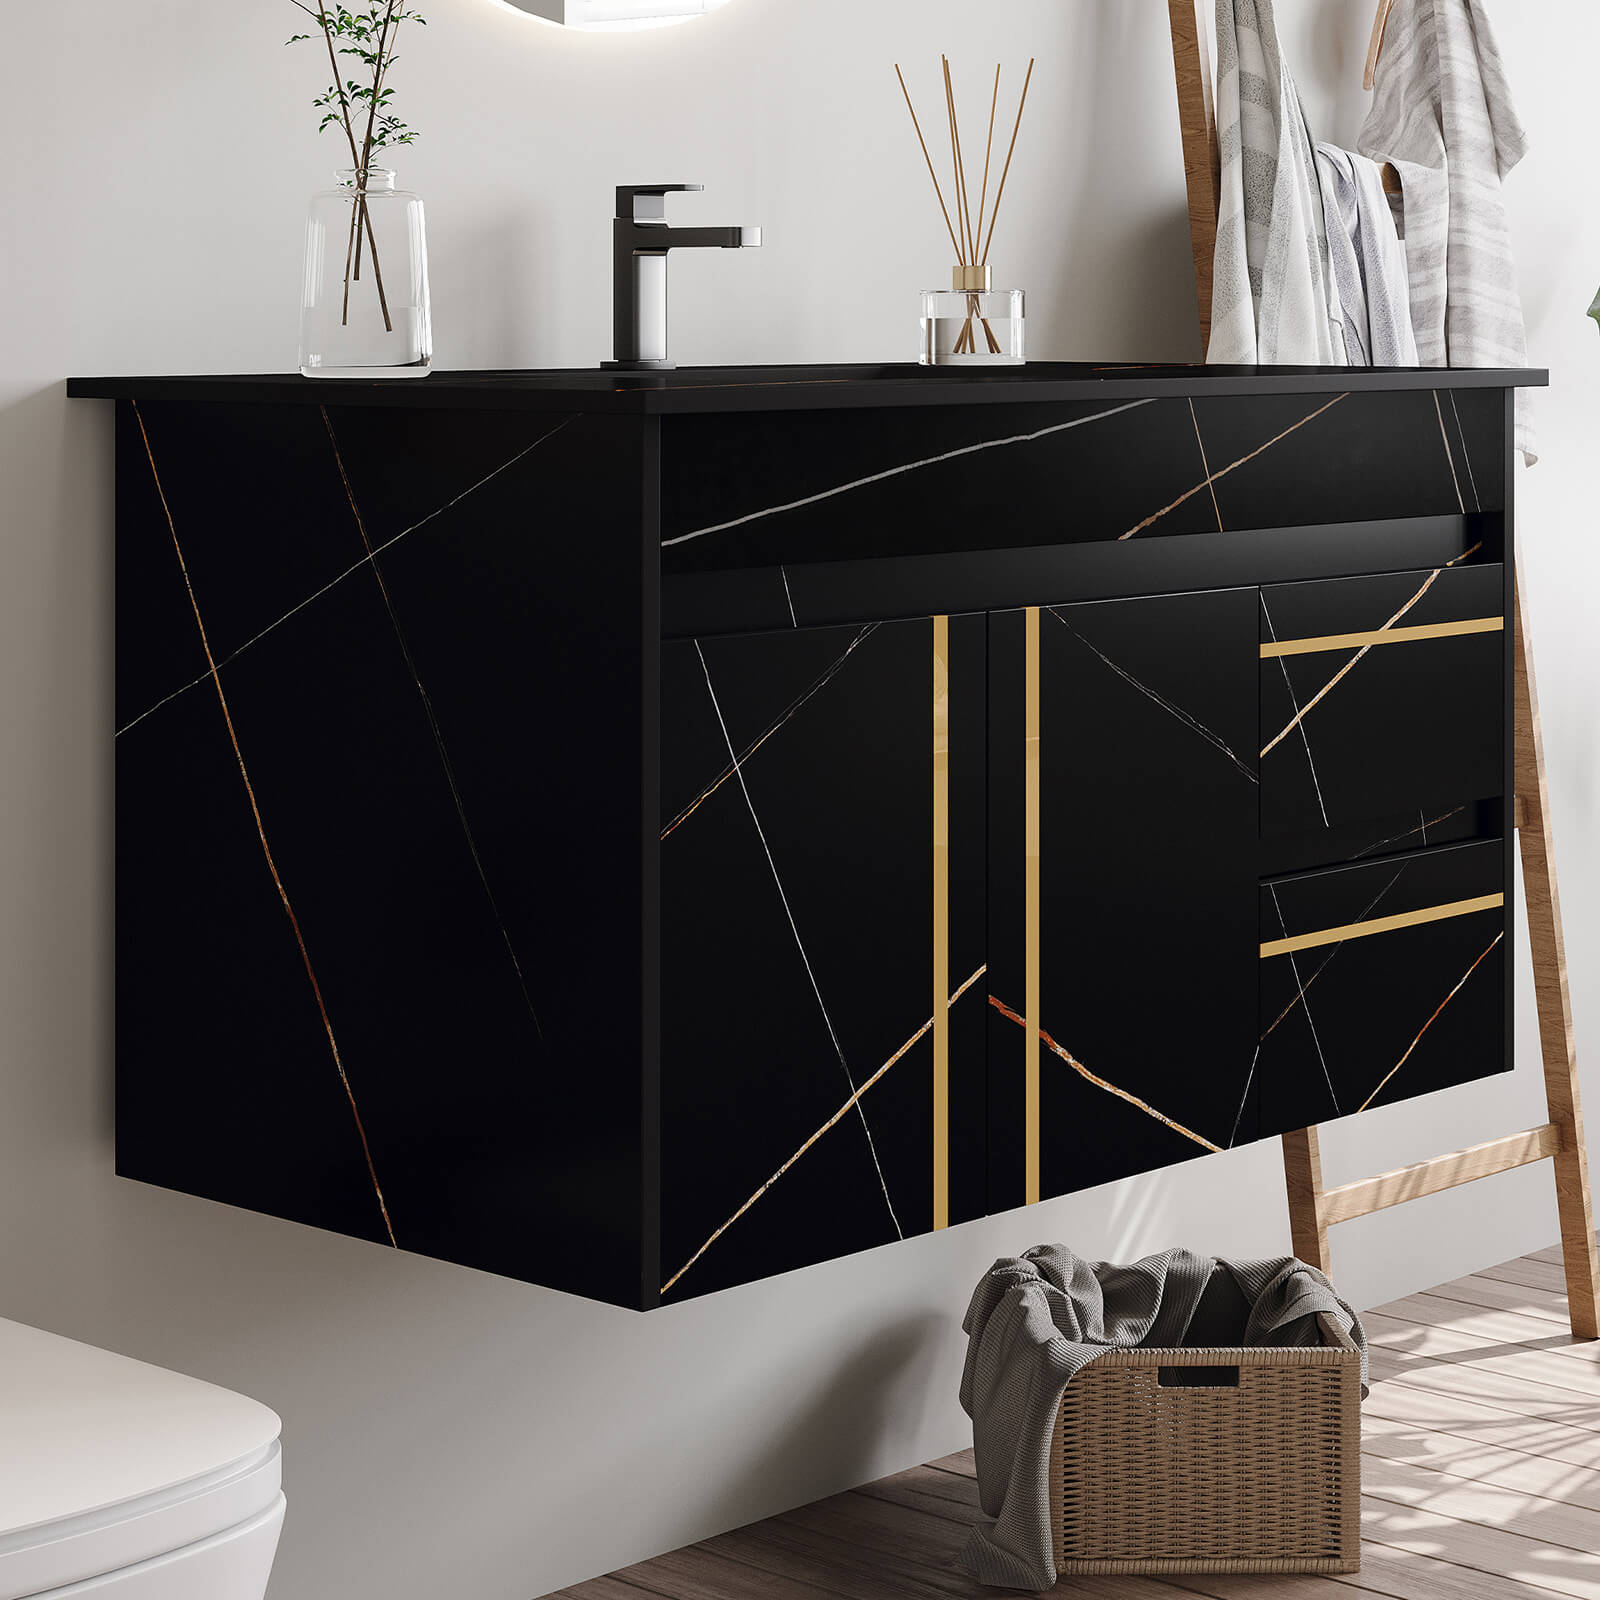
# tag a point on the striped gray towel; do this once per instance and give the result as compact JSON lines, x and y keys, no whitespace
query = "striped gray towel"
{"x":1273,"y":298}
{"x":1442,"y":114}
{"x":1369,"y":262}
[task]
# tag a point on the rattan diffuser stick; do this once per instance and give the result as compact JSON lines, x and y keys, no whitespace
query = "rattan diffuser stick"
{"x":964,"y":236}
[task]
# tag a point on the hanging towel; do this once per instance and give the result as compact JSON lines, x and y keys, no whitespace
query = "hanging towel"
{"x":1273,"y":299}
{"x":1039,"y":1319}
{"x":1442,"y":114}
{"x":1369,"y":262}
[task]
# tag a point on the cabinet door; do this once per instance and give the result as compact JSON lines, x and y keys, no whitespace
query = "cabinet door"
{"x":822,"y":858}
{"x":1123,"y":938}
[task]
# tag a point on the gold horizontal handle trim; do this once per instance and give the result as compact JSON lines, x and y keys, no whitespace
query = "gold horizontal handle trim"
{"x":1351,"y":1200}
{"x":1359,"y":641}
{"x":1360,"y":930}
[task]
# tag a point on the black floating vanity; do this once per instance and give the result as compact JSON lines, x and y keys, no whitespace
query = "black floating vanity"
{"x":642,"y":834}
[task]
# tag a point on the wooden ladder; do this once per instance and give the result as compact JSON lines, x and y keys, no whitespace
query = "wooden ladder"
{"x":1314,"y":1208}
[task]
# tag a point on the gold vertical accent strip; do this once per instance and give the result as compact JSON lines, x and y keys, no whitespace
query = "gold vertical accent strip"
{"x":1030,"y":897}
{"x":941,"y":922}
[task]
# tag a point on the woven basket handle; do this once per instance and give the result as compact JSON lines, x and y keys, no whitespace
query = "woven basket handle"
{"x":1213,"y":1375}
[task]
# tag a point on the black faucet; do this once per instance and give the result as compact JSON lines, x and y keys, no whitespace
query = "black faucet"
{"x":640,"y":242}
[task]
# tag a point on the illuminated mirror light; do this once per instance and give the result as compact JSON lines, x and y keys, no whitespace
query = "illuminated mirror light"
{"x":618,"y":16}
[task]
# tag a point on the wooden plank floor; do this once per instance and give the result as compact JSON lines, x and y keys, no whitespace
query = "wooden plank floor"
{"x":1481,"y":1472}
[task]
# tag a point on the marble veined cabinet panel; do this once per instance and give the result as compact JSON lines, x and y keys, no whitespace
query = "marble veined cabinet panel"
{"x":640,"y":835}
{"x":806,"y":778}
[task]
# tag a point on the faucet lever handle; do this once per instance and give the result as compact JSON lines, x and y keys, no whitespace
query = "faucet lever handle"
{"x":647,"y":202}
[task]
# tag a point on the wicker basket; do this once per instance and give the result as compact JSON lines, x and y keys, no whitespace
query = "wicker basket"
{"x":1210,"y":1461}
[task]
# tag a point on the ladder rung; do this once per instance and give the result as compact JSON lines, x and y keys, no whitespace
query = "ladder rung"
{"x":1442,"y":1172}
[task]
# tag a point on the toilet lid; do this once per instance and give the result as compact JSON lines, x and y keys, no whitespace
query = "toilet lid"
{"x":89,"y":1439}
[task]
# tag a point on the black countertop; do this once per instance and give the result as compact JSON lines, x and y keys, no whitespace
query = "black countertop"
{"x":796,"y":388}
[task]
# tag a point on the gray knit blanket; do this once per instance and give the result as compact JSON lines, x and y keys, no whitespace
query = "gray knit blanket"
{"x":1039,"y":1319}
{"x":1442,"y":114}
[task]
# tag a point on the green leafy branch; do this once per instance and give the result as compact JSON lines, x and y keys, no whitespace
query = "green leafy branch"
{"x":366,"y":35}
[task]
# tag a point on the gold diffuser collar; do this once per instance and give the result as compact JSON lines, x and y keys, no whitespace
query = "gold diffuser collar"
{"x":969,"y":280}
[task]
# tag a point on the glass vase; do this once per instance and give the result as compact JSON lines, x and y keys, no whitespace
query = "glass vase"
{"x":973,"y":325}
{"x":364,"y":307}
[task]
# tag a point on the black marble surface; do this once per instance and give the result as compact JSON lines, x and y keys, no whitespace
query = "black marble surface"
{"x":763,"y":490}
{"x":380,"y":965}
{"x":1366,"y":1021}
{"x":1147,"y":926}
{"x":1352,"y":733}
{"x":797,"y":896}
{"x":690,"y":390}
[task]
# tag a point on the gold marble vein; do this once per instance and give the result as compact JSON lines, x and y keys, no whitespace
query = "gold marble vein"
{"x":261,"y":831}
{"x":1430,"y":1022}
{"x":734,"y":766}
{"x":832,"y":1122}
{"x":1213,"y":478}
{"x":1374,"y":638}
{"x":1327,"y":688}
{"x":1101,"y":1083}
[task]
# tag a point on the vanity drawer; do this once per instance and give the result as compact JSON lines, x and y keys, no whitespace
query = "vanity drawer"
{"x":1378,"y":982}
{"x":1382,"y":694}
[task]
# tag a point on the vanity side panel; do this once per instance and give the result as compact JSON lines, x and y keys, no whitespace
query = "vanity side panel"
{"x":433,"y":638}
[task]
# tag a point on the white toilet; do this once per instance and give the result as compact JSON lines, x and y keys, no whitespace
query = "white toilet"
{"x":120,"y":1481}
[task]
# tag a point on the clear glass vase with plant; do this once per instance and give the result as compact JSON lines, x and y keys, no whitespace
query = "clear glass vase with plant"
{"x":364,"y":306}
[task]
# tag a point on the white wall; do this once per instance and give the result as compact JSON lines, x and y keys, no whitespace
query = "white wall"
{"x":447,"y":1432}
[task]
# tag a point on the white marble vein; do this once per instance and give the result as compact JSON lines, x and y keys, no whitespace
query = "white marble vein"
{"x":446,"y":765}
{"x":1449,"y":454}
{"x":1150,"y":694}
{"x":1311,"y":1022}
{"x":784,"y":716}
{"x":799,"y":942}
{"x":910,"y":466}
{"x":1466,"y":454}
{"x":333,"y":583}
{"x":1305,"y":738}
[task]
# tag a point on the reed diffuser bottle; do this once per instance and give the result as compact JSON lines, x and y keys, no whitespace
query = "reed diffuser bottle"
{"x":973,"y":324}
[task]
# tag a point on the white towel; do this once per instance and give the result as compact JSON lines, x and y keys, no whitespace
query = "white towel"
{"x":1369,"y":262}
{"x":1273,"y":293}
{"x":1443,"y":115}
